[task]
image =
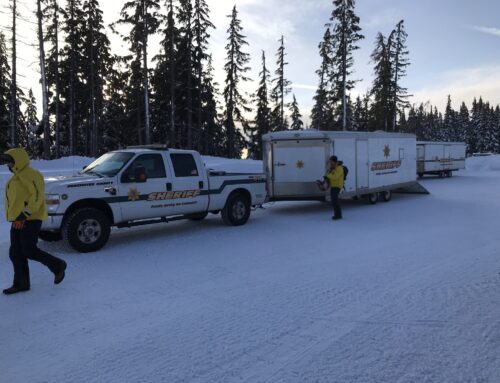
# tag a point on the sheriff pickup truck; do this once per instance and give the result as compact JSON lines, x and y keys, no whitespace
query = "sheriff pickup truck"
{"x":142,"y":185}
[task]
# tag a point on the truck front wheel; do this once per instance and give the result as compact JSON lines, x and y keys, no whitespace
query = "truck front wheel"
{"x":237,"y":210}
{"x":87,"y":230}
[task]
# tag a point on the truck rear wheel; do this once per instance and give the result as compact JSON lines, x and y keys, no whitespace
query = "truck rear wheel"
{"x":237,"y":210}
{"x":50,"y":236}
{"x":87,"y":230}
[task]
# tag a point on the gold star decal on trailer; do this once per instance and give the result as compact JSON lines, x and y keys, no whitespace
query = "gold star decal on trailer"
{"x":300,"y":164}
{"x":133,"y":194}
{"x":387,"y":151}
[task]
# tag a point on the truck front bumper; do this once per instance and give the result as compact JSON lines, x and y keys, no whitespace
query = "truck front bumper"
{"x":53,"y":223}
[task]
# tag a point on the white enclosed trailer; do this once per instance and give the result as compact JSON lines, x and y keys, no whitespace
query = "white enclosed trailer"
{"x":440,"y":158}
{"x":378,"y":163}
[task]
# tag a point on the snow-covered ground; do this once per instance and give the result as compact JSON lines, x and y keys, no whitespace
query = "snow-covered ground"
{"x":405,"y":291}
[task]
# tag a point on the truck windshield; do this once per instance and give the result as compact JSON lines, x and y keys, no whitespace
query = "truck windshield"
{"x":109,"y":164}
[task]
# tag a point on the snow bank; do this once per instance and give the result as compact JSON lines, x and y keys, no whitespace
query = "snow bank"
{"x":483,"y":163}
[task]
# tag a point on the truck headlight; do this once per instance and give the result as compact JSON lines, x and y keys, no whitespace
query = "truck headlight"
{"x":52,"y":201}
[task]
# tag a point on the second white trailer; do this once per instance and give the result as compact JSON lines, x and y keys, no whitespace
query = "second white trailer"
{"x":378,"y":163}
{"x":440,"y":158}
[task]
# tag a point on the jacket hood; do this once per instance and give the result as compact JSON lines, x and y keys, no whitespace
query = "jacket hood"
{"x":20,"y":157}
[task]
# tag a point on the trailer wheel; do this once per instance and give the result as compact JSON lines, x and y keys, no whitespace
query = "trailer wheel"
{"x":386,"y":195}
{"x":50,"y":236}
{"x":449,"y":173}
{"x":87,"y":230}
{"x":372,"y":198}
{"x":237,"y":210}
{"x":441,"y":174}
{"x":420,"y":175}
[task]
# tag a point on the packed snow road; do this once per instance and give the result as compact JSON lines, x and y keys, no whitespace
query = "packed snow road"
{"x":405,"y":291}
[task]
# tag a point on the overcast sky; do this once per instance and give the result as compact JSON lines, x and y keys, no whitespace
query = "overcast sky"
{"x":454,"y":45}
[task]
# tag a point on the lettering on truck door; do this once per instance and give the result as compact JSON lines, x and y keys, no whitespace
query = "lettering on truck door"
{"x":140,"y":200}
{"x":190,"y":189}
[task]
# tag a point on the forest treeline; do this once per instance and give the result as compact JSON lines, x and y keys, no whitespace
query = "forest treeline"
{"x":94,"y":100}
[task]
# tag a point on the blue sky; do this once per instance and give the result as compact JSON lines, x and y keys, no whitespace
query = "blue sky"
{"x":454,"y":45}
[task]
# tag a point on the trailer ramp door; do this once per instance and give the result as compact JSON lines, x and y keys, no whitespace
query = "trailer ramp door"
{"x":297,"y":164}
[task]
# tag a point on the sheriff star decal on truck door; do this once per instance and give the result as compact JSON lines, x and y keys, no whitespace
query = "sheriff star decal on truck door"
{"x":134,"y":194}
{"x":300,"y":164}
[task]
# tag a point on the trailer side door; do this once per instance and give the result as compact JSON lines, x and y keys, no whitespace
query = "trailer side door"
{"x":362,"y":165}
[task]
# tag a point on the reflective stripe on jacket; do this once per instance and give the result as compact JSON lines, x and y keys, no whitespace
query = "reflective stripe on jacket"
{"x":336,"y":177}
{"x":25,"y":190}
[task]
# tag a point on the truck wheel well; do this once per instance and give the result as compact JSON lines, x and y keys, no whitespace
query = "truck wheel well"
{"x":95,"y":203}
{"x":243,"y":192}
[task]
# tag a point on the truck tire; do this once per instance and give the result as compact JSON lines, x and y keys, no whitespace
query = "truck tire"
{"x":372,"y":198}
{"x":237,"y":210}
{"x":386,"y":195}
{"x":50,"y":236}
{"x":87,"y":230}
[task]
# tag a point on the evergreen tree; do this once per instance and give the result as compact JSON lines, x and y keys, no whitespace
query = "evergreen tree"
{"x":143,"y":19}
{"x":345,"y":36}
{"x":164,"y":83}
{"x":282,"y":86}
{"x":236,"y":105}
{"x":51,"y":14}
{"x":360,"y":114}
{"x":31,"y":142}
{"x":463,"y":121}
{"x":43,"y":82}
{"x":201,"y":27}
{"x":95,"y":71}
{"x":5,"y":85}
{"x":321,"y":114}
{"x":297,"y":123}
{"x":398,"y":54}
{"x":382,"y":94}
{"x":261,"y":124}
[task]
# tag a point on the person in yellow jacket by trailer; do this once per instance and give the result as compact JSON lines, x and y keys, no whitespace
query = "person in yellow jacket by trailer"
{"x":25,"y":208}
{"x":335,"y":180}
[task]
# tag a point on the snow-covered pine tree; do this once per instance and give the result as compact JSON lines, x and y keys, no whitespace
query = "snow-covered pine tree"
{"x":345,"y":36}
{"x":236,"y":67}
{"x":281,"y":86}
{"x":463,"y":123}
{"x":398,"y":56}
{"x":297,"y":123}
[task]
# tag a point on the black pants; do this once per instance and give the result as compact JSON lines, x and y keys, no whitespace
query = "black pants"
{"x":23,"y":246}
{"x":337,"y":211}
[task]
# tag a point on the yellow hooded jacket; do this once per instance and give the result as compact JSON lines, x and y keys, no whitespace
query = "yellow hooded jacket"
{"x":336,"y":177}
{"x":25,"y":190}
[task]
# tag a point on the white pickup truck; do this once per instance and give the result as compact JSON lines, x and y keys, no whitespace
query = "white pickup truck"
{"x":142,"y":185}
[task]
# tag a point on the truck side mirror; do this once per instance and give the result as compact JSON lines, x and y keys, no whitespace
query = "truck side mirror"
{"x":140,"y":174}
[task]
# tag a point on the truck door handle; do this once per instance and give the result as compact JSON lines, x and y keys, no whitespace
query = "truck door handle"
{"x":169,"y":186}
{"x":200,"y":184}
{"x":111,"y":190}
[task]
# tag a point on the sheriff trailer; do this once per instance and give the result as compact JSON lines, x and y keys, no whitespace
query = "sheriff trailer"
{"x":440,"y":158}
{"x":143,"y":185}
{"x":378,"y":162}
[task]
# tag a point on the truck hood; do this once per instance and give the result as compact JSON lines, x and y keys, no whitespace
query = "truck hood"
{"x":77,"y":180}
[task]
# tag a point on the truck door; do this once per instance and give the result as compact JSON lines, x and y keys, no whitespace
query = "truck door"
{"x":189,"y":184}
{"x":137,"y":200}
{"x":362,"y":164}
{"x":297,"y":164}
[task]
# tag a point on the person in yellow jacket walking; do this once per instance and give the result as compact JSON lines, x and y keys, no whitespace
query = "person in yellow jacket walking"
{"x":334,"y":179}
{"x":25,"y":208}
